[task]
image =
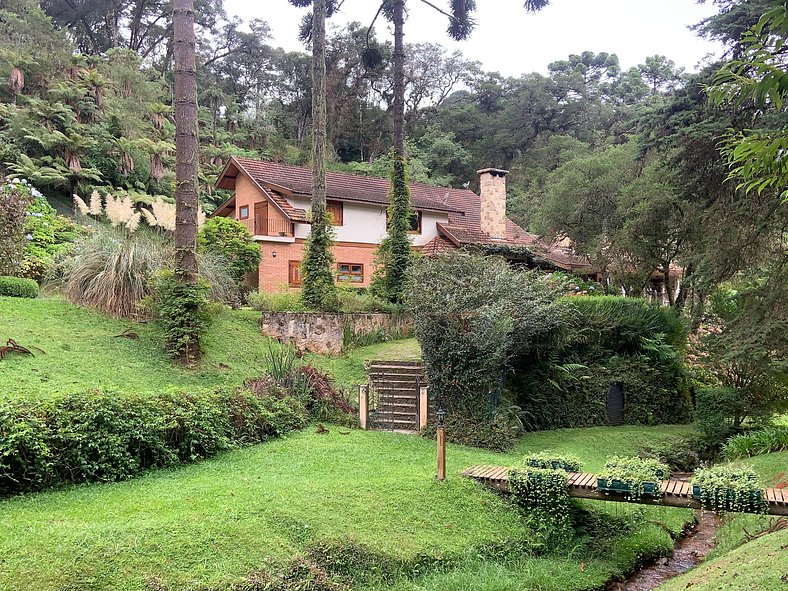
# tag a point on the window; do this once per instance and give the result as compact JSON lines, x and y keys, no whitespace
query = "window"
{"x":243,"y":212}
{"x":336,"y":212}
{"x":294,"y":273}
{"x":350,"y":272}
{"x":415,"y":222}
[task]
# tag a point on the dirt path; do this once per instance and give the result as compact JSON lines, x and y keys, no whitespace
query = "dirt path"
{"x":688,"y":552}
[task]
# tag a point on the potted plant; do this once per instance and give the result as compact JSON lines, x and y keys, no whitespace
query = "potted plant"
{"x":634,"y":477}
{"x":546,"y":459}
{"x":729,"y":488}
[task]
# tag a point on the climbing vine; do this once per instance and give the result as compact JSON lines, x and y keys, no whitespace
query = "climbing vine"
{"x":543,"y":496}
{"x":729,"y":488}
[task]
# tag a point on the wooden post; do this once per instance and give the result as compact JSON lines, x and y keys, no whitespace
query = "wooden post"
{"x":441,"y":475}
{"x":423,"y":408}
{"x":363,"y":405}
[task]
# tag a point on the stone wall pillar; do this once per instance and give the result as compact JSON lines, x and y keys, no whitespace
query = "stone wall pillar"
{"x":492,"y":190}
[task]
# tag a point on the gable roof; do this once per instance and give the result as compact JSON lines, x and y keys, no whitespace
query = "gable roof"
{"x":297,"y":180}
{"x":462,"y":206}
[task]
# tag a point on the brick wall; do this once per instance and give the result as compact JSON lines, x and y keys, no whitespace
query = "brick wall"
{"x":273,"y":272}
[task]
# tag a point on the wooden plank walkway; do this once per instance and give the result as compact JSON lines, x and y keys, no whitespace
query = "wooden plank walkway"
{"x":675,"y":493}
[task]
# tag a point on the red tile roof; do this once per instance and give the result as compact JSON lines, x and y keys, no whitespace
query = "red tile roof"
{"x":462,"y":206}
{"x":344,"y":186}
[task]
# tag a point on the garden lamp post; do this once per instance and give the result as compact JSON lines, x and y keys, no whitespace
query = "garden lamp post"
{"x":441,"y":436}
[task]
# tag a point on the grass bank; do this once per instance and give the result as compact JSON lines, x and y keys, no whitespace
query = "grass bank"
{"x":736,"y":564}
{"x":83,"y":350}
{"x":213,"y":523}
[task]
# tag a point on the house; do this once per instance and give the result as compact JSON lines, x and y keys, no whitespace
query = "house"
{"x":273,"y":199}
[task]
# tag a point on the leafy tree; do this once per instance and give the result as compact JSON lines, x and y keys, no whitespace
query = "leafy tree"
{"x":233,"y":241}
{"x":757,"y":78}
{"x":660,"y":73}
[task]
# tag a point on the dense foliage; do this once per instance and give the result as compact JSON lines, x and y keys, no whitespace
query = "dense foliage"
{"x":107,"y":436}
{"x":232,"y":241}
{"x":18,"y":287}
{"x":317,"y":269}
{"x":729,"y":488}
{"x":183,"y":311}
{"x":15,"y":198}
{"x":763,"y":441}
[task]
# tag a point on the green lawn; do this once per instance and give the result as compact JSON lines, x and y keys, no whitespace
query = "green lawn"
{"x":214,"y":522}
{"x":737,"y":566}
{"x":83,"y":351}
{"x":348,"y":370}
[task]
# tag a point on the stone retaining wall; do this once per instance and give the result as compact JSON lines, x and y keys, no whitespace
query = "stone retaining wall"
{"x":325,"y":334}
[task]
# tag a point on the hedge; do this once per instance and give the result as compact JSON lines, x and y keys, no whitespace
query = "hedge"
{"x":105,"y":436}
{"x":18,"y":287}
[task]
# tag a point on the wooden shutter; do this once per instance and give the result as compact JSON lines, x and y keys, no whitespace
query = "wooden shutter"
{"x":336,"y":212}
{"x":294,"y":273}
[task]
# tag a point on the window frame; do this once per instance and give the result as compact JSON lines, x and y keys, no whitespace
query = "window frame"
{"x":350,"y":273}
{"x":336,"y":220}
{"x":241,"y":209}
{"x":290,"y":266}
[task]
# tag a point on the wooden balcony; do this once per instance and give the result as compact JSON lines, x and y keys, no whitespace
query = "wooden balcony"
{"x":269,"y":227}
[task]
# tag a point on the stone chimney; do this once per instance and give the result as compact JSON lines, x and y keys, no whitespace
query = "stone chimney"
{"x":492,"y":189}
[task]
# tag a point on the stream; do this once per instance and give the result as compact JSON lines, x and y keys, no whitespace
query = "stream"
{"x":689,"y":551}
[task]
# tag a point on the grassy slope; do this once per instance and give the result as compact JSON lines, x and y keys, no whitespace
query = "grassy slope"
{"x":348,"y":370}
{"x":213,"y":522}
{"x":83,"y":351}
{"x":731,"y":566}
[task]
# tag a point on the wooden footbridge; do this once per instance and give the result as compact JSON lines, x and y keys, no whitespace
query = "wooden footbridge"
{"x":673,"y":493}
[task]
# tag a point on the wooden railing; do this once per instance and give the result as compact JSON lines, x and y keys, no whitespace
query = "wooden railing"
{"x":269,"y":227}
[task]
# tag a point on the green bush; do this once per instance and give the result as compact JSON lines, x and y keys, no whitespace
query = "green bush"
{"x":639,"y":476}
{"x":282,"y":301}
{"x":49,"y":236}
{"x":107,"y":436}
{"x":716,"y":409}
{"x":232,"y":241}
{"x":15,"y":198}
{"x":682,"y":454}
{"x":762,"y":441}
{"x":496,"y":434}
{"x":543,"y":494}
{"x":18,"y":287}
{"x":319,"y":290}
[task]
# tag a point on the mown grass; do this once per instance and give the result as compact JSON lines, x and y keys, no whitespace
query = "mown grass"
{"x":734,"y":565}
{"x":348,"y":369}
{"x":214,"y":522}
{"x":83,"y":351}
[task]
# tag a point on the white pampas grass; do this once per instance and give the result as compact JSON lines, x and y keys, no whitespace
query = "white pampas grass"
{"x":81,"y":205}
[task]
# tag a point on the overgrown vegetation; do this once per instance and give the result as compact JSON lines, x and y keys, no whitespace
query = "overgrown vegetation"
{"x":729,"y":488}
{"x":183,"y":311}
{"x":15,"y":198}
{"x":108,"y":436}
{"x":232,"y":241}
{"x":762,"y":441}
{"x":319,"y":289}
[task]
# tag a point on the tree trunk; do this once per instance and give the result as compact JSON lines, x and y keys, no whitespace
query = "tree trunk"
{"x":318,"y":108}
{"x":186,"y":142}
{"x":399,"y":78}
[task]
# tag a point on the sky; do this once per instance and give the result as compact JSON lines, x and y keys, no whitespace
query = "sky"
{"x":511,"y":41}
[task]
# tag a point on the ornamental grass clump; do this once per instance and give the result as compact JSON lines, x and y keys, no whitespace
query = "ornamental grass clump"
{"x":634,"y":477}
{"x":546,"y":459}
{"x":729,"y":488}
{"x":763,"y":441}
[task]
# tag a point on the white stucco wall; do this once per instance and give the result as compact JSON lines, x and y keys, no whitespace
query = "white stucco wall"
{"x":367,"y":223}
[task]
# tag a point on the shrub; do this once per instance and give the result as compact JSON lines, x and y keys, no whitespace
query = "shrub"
{"x":15,"y":198}
{"x":232,"y":241}
{"x":182,"y":311}
{"x":763,"y":441}
{"x":18,"y":287}
{"x":496,"y":434}
{"x":682,"y":454}
{"x":716,"y":409}
{"x":283,"y":301}
{"x":49,"y":237}
{"x":471,"y":314}
{"x":729,"y":488}
{"x":107,"y":436}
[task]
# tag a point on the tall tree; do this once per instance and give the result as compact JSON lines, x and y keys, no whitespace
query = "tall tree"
{"x":186,"y":141}
{"x":318,"y":289}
